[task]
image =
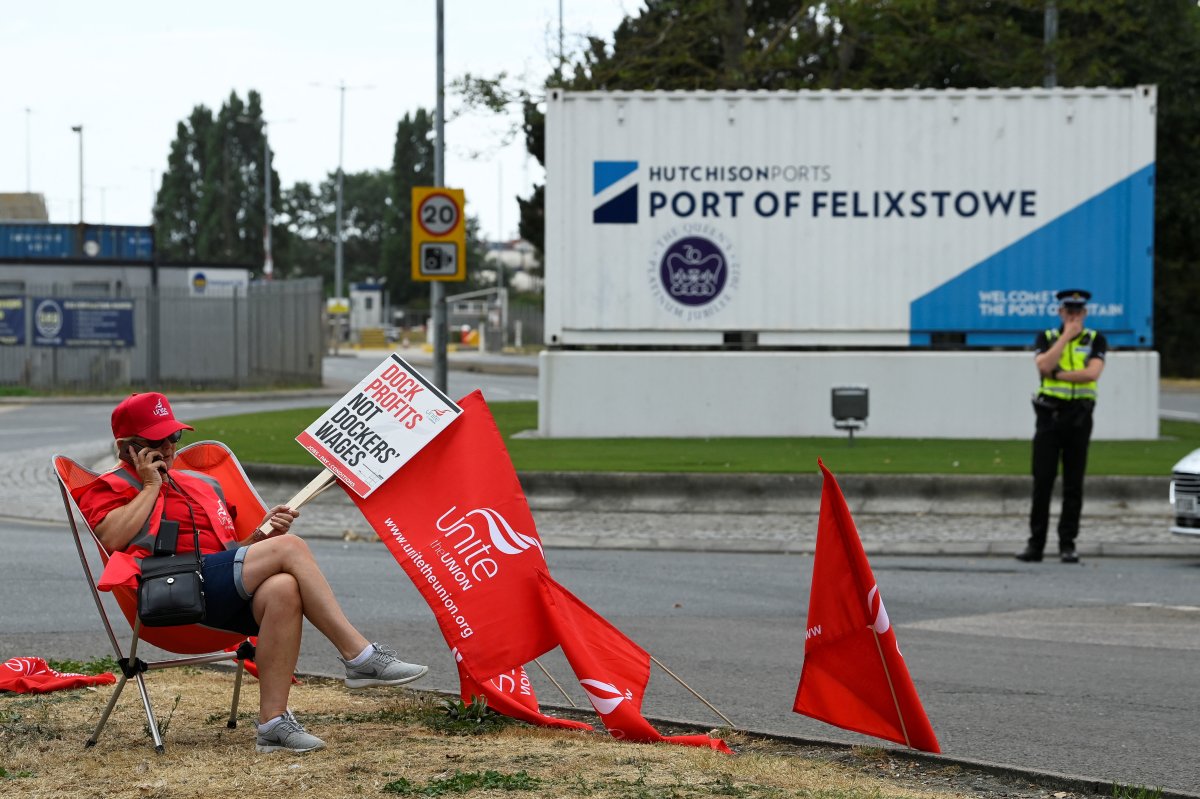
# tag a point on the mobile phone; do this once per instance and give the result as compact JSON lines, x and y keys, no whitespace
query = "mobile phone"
{"x":124,"y":454}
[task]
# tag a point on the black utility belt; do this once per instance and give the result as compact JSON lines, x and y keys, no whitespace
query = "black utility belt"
{"x":1060,"y":404}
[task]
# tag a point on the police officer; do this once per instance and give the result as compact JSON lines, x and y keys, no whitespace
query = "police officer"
{"x":1069,"y":360}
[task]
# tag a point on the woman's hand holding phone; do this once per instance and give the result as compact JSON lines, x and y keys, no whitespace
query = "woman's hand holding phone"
{"x":149,"y":464}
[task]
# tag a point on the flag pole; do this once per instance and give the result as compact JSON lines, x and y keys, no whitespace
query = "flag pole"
{"x":862,"y":589}
{"x":693,"y":691}
{"x":888,"y":675}
{"x":315,"y":486}
{"x":556,"y":685}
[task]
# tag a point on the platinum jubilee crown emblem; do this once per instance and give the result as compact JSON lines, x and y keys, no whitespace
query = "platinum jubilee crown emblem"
{"x":695,"y":272}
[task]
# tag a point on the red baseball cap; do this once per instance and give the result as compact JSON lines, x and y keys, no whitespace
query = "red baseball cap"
{"x":147,"y":416}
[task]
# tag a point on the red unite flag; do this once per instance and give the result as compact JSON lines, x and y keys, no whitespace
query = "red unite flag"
{"x":612,"y":669}
{"x":34,"y":676}
{"x":511,"y":694}
{"x":456,"y":520}
{"x":854,"y":676}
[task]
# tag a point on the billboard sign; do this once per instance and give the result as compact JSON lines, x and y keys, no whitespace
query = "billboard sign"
{"x":12,"y":320}
{"x":64,"y":322}
{"x":212,"y":281}
{"x":882,"y":218}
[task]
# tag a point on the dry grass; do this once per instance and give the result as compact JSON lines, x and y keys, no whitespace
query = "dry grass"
{"x":380,"y":737}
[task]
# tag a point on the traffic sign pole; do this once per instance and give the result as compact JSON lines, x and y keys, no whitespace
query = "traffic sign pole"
{"x":437,"y":292}
{"x":439,"y":229}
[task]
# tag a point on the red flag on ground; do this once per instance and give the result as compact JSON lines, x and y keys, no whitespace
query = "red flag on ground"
{"x":34,"y":676}
{"x":612,"y":669}
{"x":511,"y":694}
{"x":854,"y":676}
{"x":455,"y":519}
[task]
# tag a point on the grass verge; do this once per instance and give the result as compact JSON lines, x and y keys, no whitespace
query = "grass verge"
{"x":270,"y":438}
{"x":386,"y":742}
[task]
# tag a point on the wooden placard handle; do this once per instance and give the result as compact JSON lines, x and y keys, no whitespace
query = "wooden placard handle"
{"x":315,"y":486}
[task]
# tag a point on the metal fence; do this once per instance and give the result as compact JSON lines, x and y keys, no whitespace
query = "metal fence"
{"x":523,"y":323}
{"x":267,"y":334}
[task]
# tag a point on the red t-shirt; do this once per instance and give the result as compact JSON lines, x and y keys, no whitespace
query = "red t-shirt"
{"x":100,"y":499}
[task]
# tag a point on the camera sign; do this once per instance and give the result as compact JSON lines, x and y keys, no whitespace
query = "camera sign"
{"x":438,"y":234}
{"x":439,"y":259}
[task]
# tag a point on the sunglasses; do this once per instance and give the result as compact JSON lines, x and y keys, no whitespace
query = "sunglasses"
{"x":173,"y":439}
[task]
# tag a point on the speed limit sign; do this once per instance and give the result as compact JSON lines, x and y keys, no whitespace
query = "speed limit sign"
{"x":438,"y":234}
{"x":438,"y":214}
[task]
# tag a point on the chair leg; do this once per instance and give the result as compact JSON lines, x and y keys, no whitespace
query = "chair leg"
{"x":154,"y":733}
{"x":237,"y":692}
{"x":108,"y":709}
{"x":141,"y":683}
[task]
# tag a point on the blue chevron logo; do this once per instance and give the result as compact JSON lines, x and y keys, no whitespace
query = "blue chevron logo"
{"x":614,"y":190}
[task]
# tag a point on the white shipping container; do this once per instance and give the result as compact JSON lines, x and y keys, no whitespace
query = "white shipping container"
{"x":856,"y":218}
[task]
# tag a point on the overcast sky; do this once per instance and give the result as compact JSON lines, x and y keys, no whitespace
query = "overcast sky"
{"x":130,"y":70}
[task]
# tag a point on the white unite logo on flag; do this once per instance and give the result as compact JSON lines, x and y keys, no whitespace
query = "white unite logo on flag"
{"x":882,"y":623}
{"x":512,"y":682}
{"x":501,"y":533}
{"x":604,"y":696}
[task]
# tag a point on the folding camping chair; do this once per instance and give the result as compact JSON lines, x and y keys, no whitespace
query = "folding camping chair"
{"x":199,"y":644}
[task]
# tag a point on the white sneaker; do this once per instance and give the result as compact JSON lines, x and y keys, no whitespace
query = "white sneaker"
{"x":382,"y":668}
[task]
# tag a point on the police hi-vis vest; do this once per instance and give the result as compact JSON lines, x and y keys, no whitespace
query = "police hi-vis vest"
{"x":1074,"y":357}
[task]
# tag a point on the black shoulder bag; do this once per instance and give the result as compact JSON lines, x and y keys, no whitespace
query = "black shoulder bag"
{"x":171,"y":587}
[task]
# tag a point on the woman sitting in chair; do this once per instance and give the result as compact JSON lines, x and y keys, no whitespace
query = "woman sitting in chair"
{"x":263,"y":584}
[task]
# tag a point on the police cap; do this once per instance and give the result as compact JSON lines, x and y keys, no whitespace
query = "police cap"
{"x":1074,"y":297}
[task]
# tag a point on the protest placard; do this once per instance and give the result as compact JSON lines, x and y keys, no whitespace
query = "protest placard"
{"x":379,"y":425}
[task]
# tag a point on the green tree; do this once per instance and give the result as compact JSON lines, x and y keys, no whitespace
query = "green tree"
{"x":306,"y":248}
{"x":310,"y":218}
{"x":177,"y":205}
{"x":210,"y":206}
{"x":412,"y":165}
{"x":476,"y":250}
{"x":364,"y":212}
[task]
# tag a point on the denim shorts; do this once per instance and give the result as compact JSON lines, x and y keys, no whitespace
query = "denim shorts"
{"x":226,"y":603}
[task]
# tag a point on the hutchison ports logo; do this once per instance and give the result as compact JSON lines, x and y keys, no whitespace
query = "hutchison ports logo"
{"x":614,"y":192}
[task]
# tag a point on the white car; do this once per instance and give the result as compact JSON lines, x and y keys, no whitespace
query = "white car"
{"x":1185,"y":495}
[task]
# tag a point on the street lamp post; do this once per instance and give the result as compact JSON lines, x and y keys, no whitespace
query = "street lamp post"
{"x":268,"y":211}
{"x":268,"y":261}
{"x":28,"y":168}
{"x":337,"y":246}
{"x":79,"y":129}
{"x":337,"y":239}
{"x":437,"y":291}
{"x":1049,"y":34}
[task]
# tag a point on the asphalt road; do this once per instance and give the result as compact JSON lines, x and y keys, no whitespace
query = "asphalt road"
{"x":1085,"y":670}
{"x":1180,"y":403}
